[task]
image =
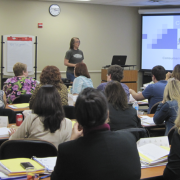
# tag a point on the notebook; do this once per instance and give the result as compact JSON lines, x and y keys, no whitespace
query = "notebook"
{"x":12,"y":167}
{"x":119,"y":60}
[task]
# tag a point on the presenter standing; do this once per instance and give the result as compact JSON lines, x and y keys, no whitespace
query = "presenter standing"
{"x":72,"y":57}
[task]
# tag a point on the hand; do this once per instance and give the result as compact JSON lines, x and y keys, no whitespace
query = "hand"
{"x":163,"y":101}
{"x":77,"y":131}
{"x":168,"y":75}
{"x":12,"y":131}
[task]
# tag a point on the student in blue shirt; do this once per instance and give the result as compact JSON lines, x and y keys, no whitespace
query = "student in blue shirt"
{"x":153,"y":92}
{"x":82,"y":80}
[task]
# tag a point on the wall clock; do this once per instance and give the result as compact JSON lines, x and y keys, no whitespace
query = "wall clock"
{"x":54,"y":10}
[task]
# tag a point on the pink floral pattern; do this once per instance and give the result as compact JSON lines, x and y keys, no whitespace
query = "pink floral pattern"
{"x":16,"y":86}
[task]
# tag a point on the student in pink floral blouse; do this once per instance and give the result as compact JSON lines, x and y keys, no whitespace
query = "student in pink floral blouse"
{"x":19,"y":84}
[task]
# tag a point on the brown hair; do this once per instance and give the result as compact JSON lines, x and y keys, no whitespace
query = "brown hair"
{"x":81,"y":70}
{"x":176,"y":72}
{"x":116,"y":95}
{"x":116,"y":72}
{"x":72,"y":42}
{"x":51,"y":75}
{"x":18,"y":69}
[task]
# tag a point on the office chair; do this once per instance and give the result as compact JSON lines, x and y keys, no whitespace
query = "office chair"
{"x":24,"y":98}
{"x":137,"y":132}
{"x":69,"y":112}
{"x":2,"y":140}
{"x":27,"y":148}
{"x":154,"y":107}
{"x":170,"y":134}
{"x":66,"y":81}
{"x":10,"y":113}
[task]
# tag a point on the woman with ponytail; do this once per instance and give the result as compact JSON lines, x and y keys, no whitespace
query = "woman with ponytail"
{"x":47,"y":121}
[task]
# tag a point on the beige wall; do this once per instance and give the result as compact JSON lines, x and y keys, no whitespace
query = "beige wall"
{"x":104,"y":31}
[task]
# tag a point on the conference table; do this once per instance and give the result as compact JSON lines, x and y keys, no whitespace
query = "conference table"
{"x":145,"y":172}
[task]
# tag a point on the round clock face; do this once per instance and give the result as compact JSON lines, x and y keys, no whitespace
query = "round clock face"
{"x":54,"y":10}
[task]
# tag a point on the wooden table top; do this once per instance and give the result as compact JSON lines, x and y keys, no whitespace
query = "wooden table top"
{"x":147,"y":172}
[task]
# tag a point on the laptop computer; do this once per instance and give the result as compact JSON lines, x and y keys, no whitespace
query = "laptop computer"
{"x":119,"y":60}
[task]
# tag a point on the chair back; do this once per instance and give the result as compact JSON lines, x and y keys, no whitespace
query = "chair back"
{"x":69,"y":112}
{"x":154,"y":107}
{"x":10,"y":113}
{"x":26,"y":148}
{"x":137,"y":132}
{"x":170,"y":134}
{"x":67,"y":82}
{"x":24,"y":98}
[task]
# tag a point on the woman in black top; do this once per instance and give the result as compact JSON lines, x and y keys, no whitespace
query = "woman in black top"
{"x":100,"y":154}
{"x":121,"y":115}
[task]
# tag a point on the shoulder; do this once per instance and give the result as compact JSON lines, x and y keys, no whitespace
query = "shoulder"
{"x":63,"y":86}
{"x":80,"y":51}
{"x":124,"y":85}
{"x":101,"y":86}
{"x":69,"y":51}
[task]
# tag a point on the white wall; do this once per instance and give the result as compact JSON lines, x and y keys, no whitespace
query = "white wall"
{"x":104,"y":31}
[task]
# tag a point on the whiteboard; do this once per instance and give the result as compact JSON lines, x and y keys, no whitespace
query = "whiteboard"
{"x":18,"y":48}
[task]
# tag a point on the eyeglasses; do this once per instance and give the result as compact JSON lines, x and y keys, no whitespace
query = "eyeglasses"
{"x":77,"y":41}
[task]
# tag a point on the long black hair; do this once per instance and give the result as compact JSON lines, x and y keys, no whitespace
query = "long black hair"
{"x":91,"y":108}
{"x":48,"y":105}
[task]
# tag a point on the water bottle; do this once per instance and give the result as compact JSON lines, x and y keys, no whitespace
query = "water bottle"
{"x":136,"y":106}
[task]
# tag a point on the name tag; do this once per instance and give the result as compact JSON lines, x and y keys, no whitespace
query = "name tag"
{"x":4,"y":121}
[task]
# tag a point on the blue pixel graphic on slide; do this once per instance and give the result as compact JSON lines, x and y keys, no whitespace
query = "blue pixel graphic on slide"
{"x":160,"y":41}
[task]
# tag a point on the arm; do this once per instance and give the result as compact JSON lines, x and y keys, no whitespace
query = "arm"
{"x":161,"y":113}
{"x":137,"y":96}
{"x":66,"y":63}
{"x":23,"y":129}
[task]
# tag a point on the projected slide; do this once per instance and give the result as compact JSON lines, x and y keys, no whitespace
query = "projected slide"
{"x":160,"y":41}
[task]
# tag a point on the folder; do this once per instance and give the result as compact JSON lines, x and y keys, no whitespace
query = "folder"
{"x":12,"y":167}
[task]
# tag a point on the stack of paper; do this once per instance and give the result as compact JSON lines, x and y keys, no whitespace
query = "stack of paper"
{"x":146,"y":120}
{"x":4,"y":132}
{"x":12,"y":167}
{"x":49,"y":162}
{"x":153,"y":151}
{"x":22,"y":105}
{"x":151,"y":154}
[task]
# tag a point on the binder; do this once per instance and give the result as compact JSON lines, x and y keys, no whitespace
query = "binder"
{"x":12,"y":167}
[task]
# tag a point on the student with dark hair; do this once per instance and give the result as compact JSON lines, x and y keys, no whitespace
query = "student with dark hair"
{"x":82,"y":80}
{"x":100,"y":153}
{"x":121,"y":115}
{"x":115,"y":73}
{"x":153,"y":92}
{"x":72,"y":57}
{"x":47,"y":121}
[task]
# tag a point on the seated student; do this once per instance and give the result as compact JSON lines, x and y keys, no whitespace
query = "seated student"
{"x":100,"y":154}
{"x":172,"y":170}
{"x":47,"y":121}
{"x":51,"y":75}
{"x":120,"y":114}
{"x":20,"y":84}
{"x":167,"y":110}
{"x":153,"y":92}
{"x":82,"y":79}
{"x":115,"y":73}
{"x":175,"y":74}
{"x":2,"y":99}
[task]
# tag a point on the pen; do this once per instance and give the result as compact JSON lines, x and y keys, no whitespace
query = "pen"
{"x":45,"y":176}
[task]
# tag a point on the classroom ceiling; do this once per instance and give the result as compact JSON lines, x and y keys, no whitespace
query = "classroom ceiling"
{"x":138,"y":3}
